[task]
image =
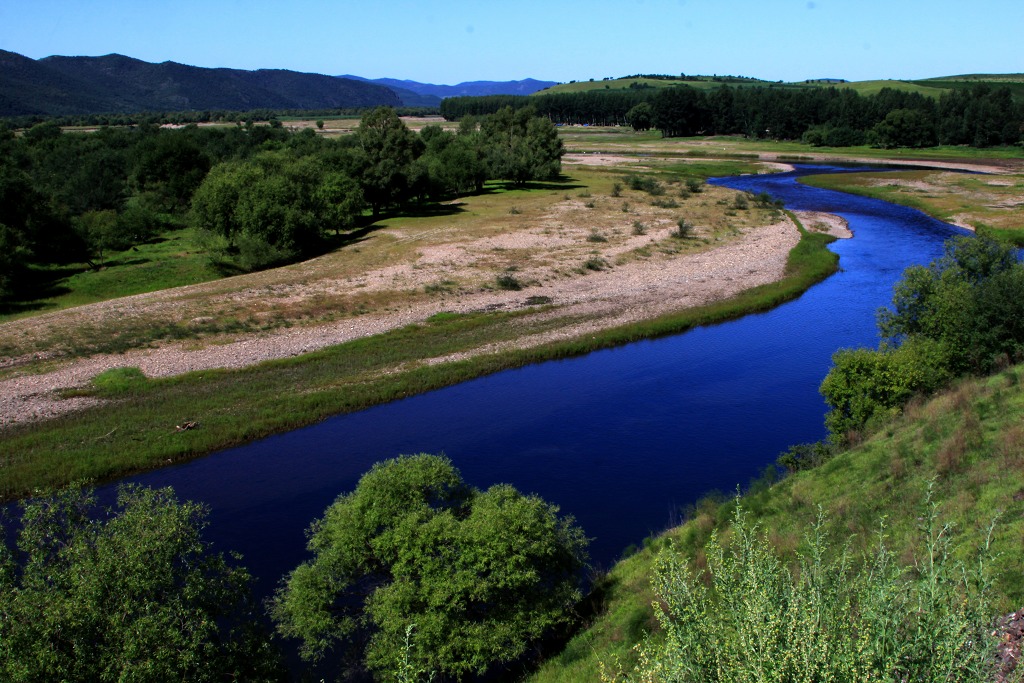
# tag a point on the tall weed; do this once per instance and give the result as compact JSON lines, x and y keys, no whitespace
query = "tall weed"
{"x":750,"y":616}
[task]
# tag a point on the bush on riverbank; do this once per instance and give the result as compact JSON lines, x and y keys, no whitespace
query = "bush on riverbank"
{"x":964,"y":313}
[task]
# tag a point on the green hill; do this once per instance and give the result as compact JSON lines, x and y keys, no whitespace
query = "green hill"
{"x":115,"y":83}
{"x":874,"y":87}
{"x":969,"y":442}
{"x":641,"y":82}
{"x":931,"y":87}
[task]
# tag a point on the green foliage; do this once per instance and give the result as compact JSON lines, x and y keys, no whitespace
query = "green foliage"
{"x":866,"y":387}
{"x":135,"y":595}
{"x":963,"y":313}
{"x":521,"y":146}
{"x":683,"y":229}
{"x":384,"y":156}
{"x":480,"y":574}
{"x":644,"y":183}
{"x":274,"y":207}
{"x":640,"y":117}
{"x":904,"y":128}
{"x":119,"y":381}
{"x":750,"y":617}
{"x":509,"y":282}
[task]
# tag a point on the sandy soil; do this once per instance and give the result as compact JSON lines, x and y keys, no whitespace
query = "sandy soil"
{"x":632,"y":291}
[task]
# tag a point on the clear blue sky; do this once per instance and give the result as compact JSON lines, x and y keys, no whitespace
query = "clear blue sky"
{"x":449,"y":41}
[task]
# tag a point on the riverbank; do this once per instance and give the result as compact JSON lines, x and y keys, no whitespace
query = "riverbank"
{"x":134,"y":423}
{"x":972,"y":202}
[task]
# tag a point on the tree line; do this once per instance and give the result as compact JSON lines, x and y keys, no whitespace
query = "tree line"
{"x":261,"y":194}
{"x":979,"y":116}
{"x":259,"y":115}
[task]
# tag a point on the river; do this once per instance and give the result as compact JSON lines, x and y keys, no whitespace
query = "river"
{"x":622,"y":439}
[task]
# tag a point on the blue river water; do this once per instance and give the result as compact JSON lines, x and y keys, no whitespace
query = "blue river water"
{"x":622,"y":439}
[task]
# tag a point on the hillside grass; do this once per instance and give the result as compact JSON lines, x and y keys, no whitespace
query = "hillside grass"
{"x":867,"y":88}
{"x":136,"y":427}
{"x":929,"y":87}
{"x":967,"y":444}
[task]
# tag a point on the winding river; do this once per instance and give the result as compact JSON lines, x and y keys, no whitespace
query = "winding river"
{"x":622,"y":439}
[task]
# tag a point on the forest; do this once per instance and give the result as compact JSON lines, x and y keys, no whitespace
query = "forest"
{"x":981,"y":116}
{"x":260,"y":194}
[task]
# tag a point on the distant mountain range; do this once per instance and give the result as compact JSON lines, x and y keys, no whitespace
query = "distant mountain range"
{"x":118,"y":84}
{"x":435,"y":93}
{"x":115,"y":83}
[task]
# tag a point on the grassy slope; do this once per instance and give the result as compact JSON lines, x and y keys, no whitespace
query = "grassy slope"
{"x":931,"y":87}
{"x":874,"y":87}
{"x":969,"y":441}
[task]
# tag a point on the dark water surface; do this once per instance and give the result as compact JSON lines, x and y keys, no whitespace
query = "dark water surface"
{"x":621,"y":439}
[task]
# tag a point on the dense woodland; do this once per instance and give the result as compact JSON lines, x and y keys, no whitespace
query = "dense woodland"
{"x":981,"y":116}
{"x":261,"y":195}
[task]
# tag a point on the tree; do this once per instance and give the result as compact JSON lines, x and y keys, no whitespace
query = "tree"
{"x":904,"y":128}
{"x":386,"y":149}
{"x":971,"y":300}
{"x":640,"y":117}
{"x":479,"y":574}
{"x":135,"y":595}
{"x":521,"y":146}
{"x":679,"y":111}
{"x":963,"y":313}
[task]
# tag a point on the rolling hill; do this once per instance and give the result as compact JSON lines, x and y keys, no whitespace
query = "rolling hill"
{"x":115,"y":83}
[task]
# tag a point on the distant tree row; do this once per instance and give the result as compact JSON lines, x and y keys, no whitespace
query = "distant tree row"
{"x":194,"y":116}
{"x":981,"y":116}
{"x":265,"y":195}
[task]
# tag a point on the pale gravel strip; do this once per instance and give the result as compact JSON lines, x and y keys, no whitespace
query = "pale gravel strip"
{"x":626,"y":293}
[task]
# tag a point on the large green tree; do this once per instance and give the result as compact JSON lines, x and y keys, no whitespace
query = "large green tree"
{"x":384,"y":153}
{"x":134,"y":595}
{"x":478,"y":574}
{"x":521,"y":146}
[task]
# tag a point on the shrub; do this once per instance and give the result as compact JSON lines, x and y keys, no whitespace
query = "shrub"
{"x":694,"y":185}
{"x":595,"y":236}
{"x":750,"y":617}
{"x":866,"y":387}
{"x":509,"y":282}
{"x":683,"y":229}
{"x":639,"y":228}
